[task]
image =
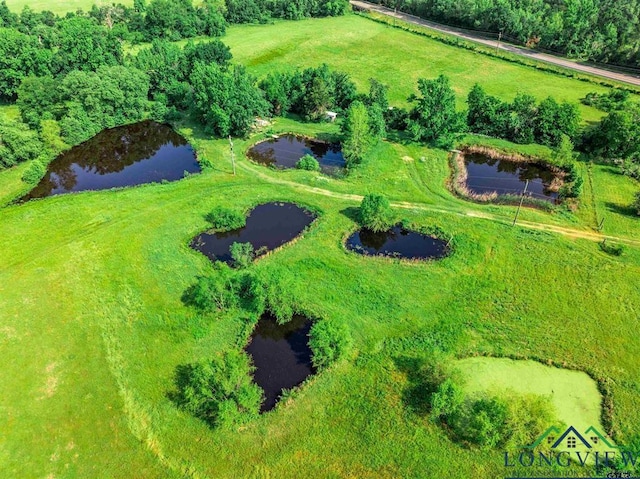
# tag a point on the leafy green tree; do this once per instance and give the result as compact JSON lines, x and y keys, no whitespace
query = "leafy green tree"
{"x":216,"y":291}
{"x":213,"y":51}
{"x":524,"y":113}
{"x":33,"y":174}
{"x":376,"y":213}
{"x":487,"y":422}
{"x":84,"y":45}
{"x":171,"y":19}
{"x":39,"y":99}
{"x":434,"y":118}
{"x":50,"y":134}
{"x":344,"y":90}
{"x":487,"y":114}
{"x":357,"y":134}
{"x":330,"y":341}
{"x":17,"y":143}
{"x":227,"y":101}
{"x":378,"y":94}
{"x":111,"y":96}
{"x":564,"y":154}
{"x":224,"y":219}
{"x":277,"y":91}
{"x":7,"y":17}
{"x":555,"y":120}
{"x":20,"y":56}
{"x":221,"y":391}
{"x":377,"y":124}
{"x":617,"y":135}
{"x":636,"y":203}
{"x":212,"y":22}
{"x":165,"y":64}
{"x":242,"y":254}
{"x":309,"y":163}
{"x":246,"y":11}
{"x":447,"y":400}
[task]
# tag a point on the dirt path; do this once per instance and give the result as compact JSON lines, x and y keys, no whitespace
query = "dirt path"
{"x":568,"y":232}
{"x":543,"y":57}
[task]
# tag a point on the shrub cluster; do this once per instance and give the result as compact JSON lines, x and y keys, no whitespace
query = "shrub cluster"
{"x":221,"y":391}
{"x":330,"y":341}
{"x":490,"y":421}
{"x":376,"y":213}
{"x":308,"y":162}
{"x":225,"y":219}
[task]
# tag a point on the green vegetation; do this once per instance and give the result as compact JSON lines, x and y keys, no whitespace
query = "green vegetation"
{"x":602,"y":30}
{"x":434,"y":118}
{"x":575,"y":396}
{"x":329,"y":342}
{"x":219,"y":392}
{"x":225,"y":219}
{"x":242,"y":254}
{"x":33,"y":174}
{"x":636,"y":203}
{"x":103,"y":303}
{"x":376,"y":213}
{"x":308,"y":162}
{"x":357,"y":134}
{"x":522,"y":121}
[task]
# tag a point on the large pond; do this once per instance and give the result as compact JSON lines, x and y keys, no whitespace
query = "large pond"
{"x":128,"y":155}
{"x":487,"y":175}
{"x":397,"y":243}
{"x":268,"y":227}
{"x":285,"y":151}
{"x":281,"y":355}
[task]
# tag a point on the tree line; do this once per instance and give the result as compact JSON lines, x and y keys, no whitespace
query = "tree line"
{"x":600,"y":30}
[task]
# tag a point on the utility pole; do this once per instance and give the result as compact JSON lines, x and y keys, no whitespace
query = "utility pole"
{"x":526,"y":185}
{"x":499,"y":38}
{"x":601,"y":224}
{"x":233,"y":161}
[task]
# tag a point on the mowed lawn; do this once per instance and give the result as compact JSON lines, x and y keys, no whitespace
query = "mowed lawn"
{"x":366,"y":49}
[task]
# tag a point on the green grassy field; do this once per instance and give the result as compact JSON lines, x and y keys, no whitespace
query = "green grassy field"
{"x":91,"y":317}
{"x":60,"y":7}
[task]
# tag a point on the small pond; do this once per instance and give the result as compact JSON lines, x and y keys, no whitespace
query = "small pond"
{"x":128,"y":155}
{"x":487,"y":175}
{"x":398,"y":243}
{"x":281,"y":355}
{"x":268,"y":227}
{"x":286,"y":150}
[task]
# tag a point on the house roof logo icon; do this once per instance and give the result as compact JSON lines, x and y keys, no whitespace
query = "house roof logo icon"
{"x":572,"y":432}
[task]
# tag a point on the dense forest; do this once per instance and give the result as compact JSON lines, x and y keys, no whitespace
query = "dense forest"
{"x":599,"y":30}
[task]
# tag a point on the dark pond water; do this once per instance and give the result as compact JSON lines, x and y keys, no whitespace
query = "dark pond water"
{"x":281,"y":355}
{"x":128,"y":155}
{"x":397,"y":242}
{"x":268,"y":226}
{"x":286,"y":150}
{"x":487,"y":175}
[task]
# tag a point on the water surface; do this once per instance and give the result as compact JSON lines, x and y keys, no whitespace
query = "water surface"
{"x":486,"y":175}
{"x":398,"y":243}
{"x":268,"y":227}
{"x":129,"y":155}
{"x":286,"y":150}
{"x":281,"y":355}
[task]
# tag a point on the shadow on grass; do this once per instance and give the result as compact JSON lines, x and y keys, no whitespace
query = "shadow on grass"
{"x":351,"y":212}
{"x":622,"y":210}
{"x":423,"y":378}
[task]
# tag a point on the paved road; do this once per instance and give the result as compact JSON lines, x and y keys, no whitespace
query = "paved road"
{"x":543,"y":57}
